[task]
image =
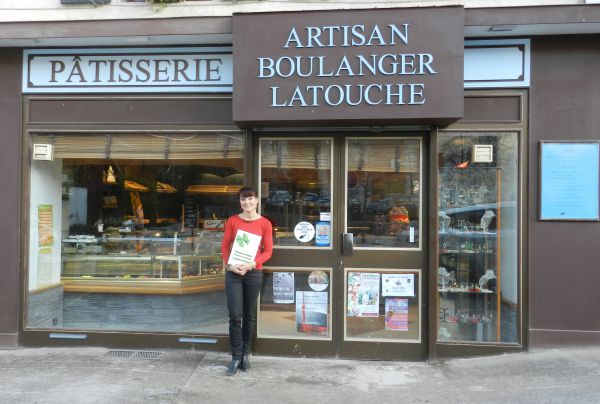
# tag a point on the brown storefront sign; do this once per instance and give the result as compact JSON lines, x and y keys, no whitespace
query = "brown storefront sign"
{"x":386,"y":66}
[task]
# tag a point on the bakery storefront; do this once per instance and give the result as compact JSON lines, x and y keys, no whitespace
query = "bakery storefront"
{"x":387,"y":156}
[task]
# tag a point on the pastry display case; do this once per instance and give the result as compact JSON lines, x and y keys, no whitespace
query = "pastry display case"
{"x":143,"y":262}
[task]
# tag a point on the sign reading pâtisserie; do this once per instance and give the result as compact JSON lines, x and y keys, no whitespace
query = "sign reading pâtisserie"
{"x":326,"y":67}
{"x":125,"y":70}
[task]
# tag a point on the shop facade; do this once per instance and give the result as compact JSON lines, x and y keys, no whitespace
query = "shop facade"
{"x":397,"y":160}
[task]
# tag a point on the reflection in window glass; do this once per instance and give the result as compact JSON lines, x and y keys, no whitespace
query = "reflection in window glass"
{"x":383,"y":199}
{"x":383,"y":306}
{"x":125,"y":232}
{"x":478,"y":274}
{"x":295,"y":304}
{"x":295,"y":177}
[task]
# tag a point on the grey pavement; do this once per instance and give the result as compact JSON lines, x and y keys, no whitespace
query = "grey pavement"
{"x":102,"y":375}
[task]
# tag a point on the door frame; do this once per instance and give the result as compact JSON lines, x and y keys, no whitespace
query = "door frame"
{"x":336,"y":345}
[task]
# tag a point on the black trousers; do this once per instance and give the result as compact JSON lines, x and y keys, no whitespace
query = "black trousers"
{"x":242,"y":295}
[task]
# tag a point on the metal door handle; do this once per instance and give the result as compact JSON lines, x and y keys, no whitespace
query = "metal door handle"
{"x":347,"y":243}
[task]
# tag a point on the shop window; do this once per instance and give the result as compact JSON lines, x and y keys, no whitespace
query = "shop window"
{"x":295,"y":303}
{"x":295,"y":177}
{"x":125,"y":231}
{"x":478,"y":271}
{"x":384,"y":192}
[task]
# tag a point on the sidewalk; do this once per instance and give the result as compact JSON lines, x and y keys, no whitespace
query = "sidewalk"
{"x":95,"y":375}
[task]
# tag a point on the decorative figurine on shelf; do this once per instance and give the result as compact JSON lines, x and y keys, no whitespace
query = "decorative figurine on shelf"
{"x":444,"y":221}
{"x":486,"y":219}
{"x":489,"y":275}
{"x":443,"y":278}
{"x":110,"y":176}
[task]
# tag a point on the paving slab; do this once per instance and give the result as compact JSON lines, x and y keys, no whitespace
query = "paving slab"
{"x":102,"y":375}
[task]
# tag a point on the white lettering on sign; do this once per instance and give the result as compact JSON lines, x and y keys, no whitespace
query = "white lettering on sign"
{"x":347,"y":35}
{"x":126,"y":70}
{"x":392,"y":66}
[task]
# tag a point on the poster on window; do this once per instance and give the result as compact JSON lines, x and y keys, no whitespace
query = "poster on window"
{"x":283,"y":287}
{"x":44,"y":267}
{"x":396,"y":314}
{"x":45,"y":231}
{"x":311,"y":312}
{"x":363,"y":294}
{"x":398,"y":285}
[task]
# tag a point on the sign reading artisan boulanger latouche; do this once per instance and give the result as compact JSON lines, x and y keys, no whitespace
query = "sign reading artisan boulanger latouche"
{"x":380,"y":66}
{"x":127,"y":70}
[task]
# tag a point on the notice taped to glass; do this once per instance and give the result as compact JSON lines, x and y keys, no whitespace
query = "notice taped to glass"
{"x":283,"y":287}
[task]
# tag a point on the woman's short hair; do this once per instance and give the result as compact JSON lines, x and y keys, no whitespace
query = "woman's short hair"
{"x":247,"y":192}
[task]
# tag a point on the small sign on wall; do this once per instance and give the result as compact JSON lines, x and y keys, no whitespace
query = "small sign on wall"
{"x":43,"y":152}
{"x":569,"y":180}
{"x":483,"y":153}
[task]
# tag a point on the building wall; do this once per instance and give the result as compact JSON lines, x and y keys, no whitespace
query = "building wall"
{"x":10,"y":186}
{"x":53,"y":10}
{"x":563,"y":256}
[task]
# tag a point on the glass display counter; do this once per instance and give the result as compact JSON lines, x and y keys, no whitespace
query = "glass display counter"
{"x":143,"y":262}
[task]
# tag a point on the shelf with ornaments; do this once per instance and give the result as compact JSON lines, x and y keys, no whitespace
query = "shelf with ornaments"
{"x":469,"y":216}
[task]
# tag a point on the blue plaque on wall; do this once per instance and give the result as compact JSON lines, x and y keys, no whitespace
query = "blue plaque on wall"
{"x":569,"y":180}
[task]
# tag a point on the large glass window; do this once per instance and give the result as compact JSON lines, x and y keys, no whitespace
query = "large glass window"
{"x":295,"y":177}
{"x":384,"y":192}
{"x":478,"y":274}
{"x":125,"y":231}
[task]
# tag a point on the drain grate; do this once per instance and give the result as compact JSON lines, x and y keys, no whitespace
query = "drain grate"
{"x":130,"y":354}
{"x":148,"y":355}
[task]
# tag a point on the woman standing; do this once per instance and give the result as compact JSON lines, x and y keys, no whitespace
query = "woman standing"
{"x":243,"y":281}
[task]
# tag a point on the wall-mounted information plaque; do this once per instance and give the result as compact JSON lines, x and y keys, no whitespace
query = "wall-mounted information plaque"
{"x":569,"y":178}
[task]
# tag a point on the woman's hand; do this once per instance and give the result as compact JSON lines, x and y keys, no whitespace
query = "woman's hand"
{"x":247,"y":267}
{"x":238,"y":269}
{"x":242,"y":268}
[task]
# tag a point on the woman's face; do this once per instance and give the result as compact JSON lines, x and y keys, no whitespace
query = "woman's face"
{"x":249,"y":204}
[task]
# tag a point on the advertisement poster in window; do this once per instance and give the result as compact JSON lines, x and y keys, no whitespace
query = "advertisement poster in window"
{"x":363,"y":294}
{"x":396,"y":314}
{"x":44,"y":267}
{"x":311,"y":312}
{"x":398,"y":285}
{"x":283,"y":287}
{"x":45,"y":231}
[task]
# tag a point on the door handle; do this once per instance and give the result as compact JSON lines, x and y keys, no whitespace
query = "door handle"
{"x":347,"y":243}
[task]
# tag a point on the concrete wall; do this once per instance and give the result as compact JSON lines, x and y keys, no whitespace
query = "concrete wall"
{"x":10,"y":188}
{"x":564,"y":257}
{"x":53,"y":10}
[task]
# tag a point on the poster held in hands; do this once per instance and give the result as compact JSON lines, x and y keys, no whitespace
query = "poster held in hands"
{"x":245,"y":247}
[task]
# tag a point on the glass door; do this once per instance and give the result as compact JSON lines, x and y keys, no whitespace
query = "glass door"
{"x":382,"y":253}
{"x":296,"y":178}
{"x":348,"y":272}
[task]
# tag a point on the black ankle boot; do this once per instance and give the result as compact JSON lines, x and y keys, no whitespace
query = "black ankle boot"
{"x":233,"y":367}
{"x":245,"y":364}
